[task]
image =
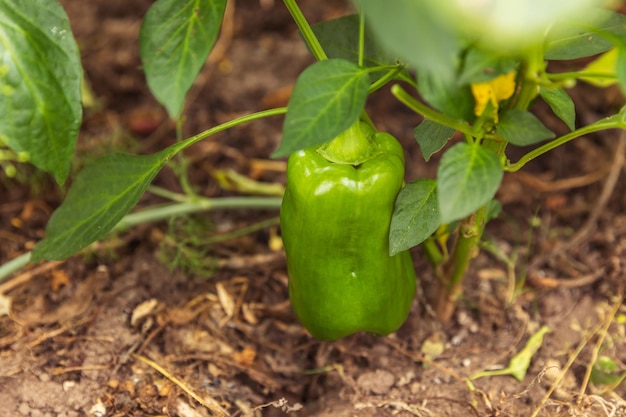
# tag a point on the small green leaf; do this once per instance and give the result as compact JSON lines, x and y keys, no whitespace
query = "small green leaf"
{"x":40,"y":84}
{"x":561,"y":104}
{"x":469,"y":176}
{"x":492,"y":209}
{"x":100,"y":196}
{"x":431,"y":137}
{"x":605,"y":371}
{"x":518,"y":366}
{"x":587,"y":37}
{"x":415,"y":216}
{"x":327,"y":99}
{"x":522,"y":128}
{"x":175,"y":39}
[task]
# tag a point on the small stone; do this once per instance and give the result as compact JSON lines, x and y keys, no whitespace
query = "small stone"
{"x":98,"y":409}
{"x":405,"y":379}
{"x":24,"y":409}
{"x":377,"y":382}
{"x":68,"y":385}
{"x":416,"y":387}
{"x":36,"y":413}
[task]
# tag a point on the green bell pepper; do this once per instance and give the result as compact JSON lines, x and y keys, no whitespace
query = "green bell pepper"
{"x":335,"y":218}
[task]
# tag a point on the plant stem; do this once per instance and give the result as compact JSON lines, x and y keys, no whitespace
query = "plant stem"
{"x":307,"y":33}
{"x":533,"y":65}
{"x":361,"y":38}
{"x":428,"y":113}
{"x":379,"y":83}
{"x":432,"y":252}
{"x":174,"y":149}
{"x":181,"y":168}
{"x":197,"y":205}
{"x":571,"y":76}
{"x":465,"y":249}
{"x":162,"y":192}
{"x":14,"y":265}
{"x":613,"y":122}
{"x":163,"y":212}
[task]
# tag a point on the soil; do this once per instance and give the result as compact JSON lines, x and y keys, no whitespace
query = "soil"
{"x":140,"y":326}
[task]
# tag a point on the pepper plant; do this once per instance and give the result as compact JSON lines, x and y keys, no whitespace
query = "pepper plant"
{"x":472,"y":71}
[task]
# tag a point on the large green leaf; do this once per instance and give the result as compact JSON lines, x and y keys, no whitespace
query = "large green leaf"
{"x":522,"y":128}
{"x":468,"y":177}
{"x":481,"y":65}
{"x":175,"y":39}
{"x":411,"y":30}
{"x":446,"y":95}
{"x":586,"y":36}
{"x":561,"y":104}
{"x":415,"y":216}
{"x":327,"y":99}
{"x":100,"y":196}
{"x":40,"y":79}
{"x":340,"y":39}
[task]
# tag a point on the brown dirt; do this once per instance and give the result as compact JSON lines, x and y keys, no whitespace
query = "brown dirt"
{"x":116,"y":331}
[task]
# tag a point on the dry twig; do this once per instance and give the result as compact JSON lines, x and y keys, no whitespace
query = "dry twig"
{"x":209,"y":403}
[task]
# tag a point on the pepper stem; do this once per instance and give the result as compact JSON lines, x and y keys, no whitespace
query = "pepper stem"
{"x":352,"y":147}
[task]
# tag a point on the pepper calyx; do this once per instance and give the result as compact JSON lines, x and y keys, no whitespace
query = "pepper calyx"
{"x":354,"y":146}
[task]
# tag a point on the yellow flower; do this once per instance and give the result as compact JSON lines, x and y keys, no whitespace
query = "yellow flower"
{"x":493,"y":91}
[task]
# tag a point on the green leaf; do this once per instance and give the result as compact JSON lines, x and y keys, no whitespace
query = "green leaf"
{"x":522,"y":128}
{"x":175,"y":40}
{"x":469,"y":176}
{"x":101,"y":195}
{"x":561,"y":104}
{"x":40,"y":81}
{"x":620,"y":67}
{"x":518,"y":366}
{"x":327,"y":99}
{"x":587,"y":37}
{"x":606,"y":371}
{"x":601,"y":71}
{"x":448,"y":96}
{"x":415,"y":215}
{"x":340,"y":39}
{"x":431,"y":137}
{"x":412,"y":30}
{"x":481,"y":65}
{"x":493,"y":208}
